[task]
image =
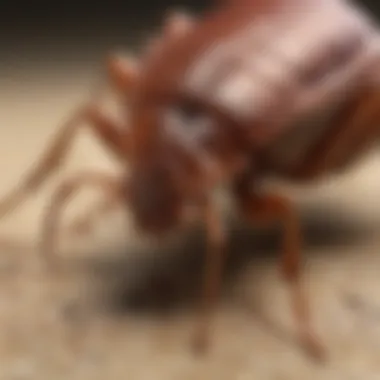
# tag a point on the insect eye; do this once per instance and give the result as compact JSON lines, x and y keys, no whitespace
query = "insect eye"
{"x":189,"y":112}
{"x":188,"y":122}
{"x":333,"y":58}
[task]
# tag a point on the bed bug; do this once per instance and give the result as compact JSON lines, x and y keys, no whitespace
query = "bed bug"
{"x":251,"y":89}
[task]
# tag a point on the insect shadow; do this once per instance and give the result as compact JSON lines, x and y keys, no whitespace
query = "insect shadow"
{"x":172,"y":282}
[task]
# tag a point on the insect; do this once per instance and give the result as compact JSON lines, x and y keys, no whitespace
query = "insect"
{"x":252,"y":89}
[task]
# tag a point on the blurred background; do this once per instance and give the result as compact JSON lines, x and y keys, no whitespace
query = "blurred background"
{"x":74,"y":32}
{"x":125,"y":309}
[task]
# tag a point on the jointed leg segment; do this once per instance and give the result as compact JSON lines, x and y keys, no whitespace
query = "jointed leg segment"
{"x":105,"y":129}
{"x":122,"y":75}
{"x":82,"y":224}
{"x":113,"y":136}
{"x":114,"y":191}
{"x":213,"y":272}
{"x":272,"y":208}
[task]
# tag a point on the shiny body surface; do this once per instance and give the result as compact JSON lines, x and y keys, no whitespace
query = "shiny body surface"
{"x":254,"y":88}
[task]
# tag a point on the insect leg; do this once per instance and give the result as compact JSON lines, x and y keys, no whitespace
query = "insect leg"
{"x":271,"y":208}
{"x":81,"y":226}
{"x":177,"y":23}
{"x":212,"y":277}
{"x":106,"y":130}
{"x":123,"y":74}
{"x":112,"y":187}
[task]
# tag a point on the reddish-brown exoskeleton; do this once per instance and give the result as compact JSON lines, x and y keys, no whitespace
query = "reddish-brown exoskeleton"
{"x":230,"y":98}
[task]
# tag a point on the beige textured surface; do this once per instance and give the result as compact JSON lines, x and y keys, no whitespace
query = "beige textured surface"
{"x":65,"y":330}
